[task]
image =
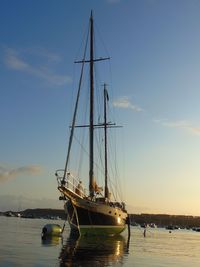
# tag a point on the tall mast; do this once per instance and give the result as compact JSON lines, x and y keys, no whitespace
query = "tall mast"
{"x":105,"y":137}
{"x":91,"y":124}
{"x":91,"y":127}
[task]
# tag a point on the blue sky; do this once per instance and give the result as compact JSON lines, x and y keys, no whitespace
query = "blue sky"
{"x":154,"y":47}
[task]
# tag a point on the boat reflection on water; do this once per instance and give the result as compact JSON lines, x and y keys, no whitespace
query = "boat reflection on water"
{"x":51,"y":240}
{"x":93,"y":251}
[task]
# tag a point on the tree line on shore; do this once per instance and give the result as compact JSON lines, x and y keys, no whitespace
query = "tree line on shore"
{"x":161,"y":220}
{"x":164,"y":220}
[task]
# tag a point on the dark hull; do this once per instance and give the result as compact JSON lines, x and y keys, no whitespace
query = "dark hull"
{"x":95,"y":221}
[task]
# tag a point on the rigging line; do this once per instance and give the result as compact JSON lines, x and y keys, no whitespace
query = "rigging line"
{"x":98,"y":134}
{"x":111,"y":170}
{"x":101,"y":151}
{"x":78,"y":54}
{"x":99,"y":147}
{"x":98,"y":99}
{"x":75,"y":110}
{"x":97,"y":81}
{"x":115,"y":182}
{"x":111,"y":166}
{"x":84,"y":149}
{"x":110,"y":151}
{"x":107,"y":54}
{"x":115,"y":169}
{"x":80,"y":153}
{"x":84,"y":40}
{"x":63,"y":228}
{"x":77,"y":220}
{"x":83,"y":136}
{"x":114,"y":187}
{"x":112,"y":174}
{"x":99,"y":112}
{"x":122,"y":162}
{"x":101,"y":39}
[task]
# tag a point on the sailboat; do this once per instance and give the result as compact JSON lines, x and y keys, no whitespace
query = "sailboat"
{"x":94,"y":212}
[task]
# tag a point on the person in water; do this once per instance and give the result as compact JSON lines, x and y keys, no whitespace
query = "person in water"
{"x":145,"y":229}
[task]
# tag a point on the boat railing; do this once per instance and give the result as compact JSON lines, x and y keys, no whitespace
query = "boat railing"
{"x":71,"y":183}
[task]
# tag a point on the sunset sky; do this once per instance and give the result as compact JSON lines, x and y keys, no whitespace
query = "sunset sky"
{"x":154,"y":47}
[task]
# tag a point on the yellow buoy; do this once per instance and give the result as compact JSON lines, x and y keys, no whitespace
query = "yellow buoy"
{"x":51,"y":230}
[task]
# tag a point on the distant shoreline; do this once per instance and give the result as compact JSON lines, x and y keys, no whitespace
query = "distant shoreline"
{"x":36,"y":213}
{"x":161,"y":220}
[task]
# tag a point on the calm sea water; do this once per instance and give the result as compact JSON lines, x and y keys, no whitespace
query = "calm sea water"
{"x":21,"y":245}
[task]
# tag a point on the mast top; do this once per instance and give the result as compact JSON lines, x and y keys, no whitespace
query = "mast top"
{"x":91,"y":15}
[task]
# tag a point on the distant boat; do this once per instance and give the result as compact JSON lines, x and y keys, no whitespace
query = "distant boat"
{"x":9,"y":214}
{"x":172,"y":227}
{"x":94,"y":212}
{"x":143,"y":225}
{"x":153,"y":225}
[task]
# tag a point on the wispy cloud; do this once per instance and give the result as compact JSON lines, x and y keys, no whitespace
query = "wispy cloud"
{"x":6,"y":174}
{"x":44,"y":53}
{"x":125,"y":103}
{"x":15,"y":61}
{"x":180,"y":124}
